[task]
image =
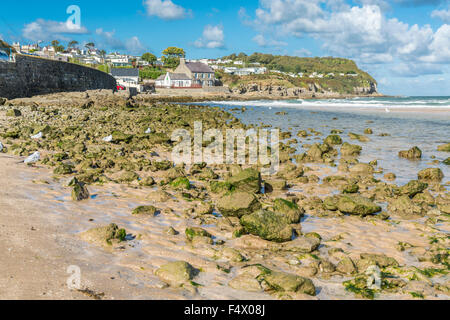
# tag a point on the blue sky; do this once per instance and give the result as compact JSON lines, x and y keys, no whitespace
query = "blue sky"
{"x":404,"y":44}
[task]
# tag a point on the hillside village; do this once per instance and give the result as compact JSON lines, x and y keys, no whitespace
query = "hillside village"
{"x":172,"y":70}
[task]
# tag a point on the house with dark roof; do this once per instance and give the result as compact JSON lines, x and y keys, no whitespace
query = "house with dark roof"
{"x":201,"y":74}
{"x":127,"y":77}
{"x":174,"y":80}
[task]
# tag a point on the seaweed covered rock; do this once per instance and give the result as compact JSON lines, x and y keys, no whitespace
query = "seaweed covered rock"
{"x":181,"y":183}
{"x":431,"y":174}
{"x":333,"y":139}
{"x":412,"y":154}
{"x":145,"y":210}
{"x":302,"y":245}
{"x":406,"y":208}
{"x":176,"y":273}
{"x":413,"y":187}
{"x":357,"y":205}
{"x":362,"y":169}
{"x":79,"y":190}
{"x":290,"y":210}
{"x":248,"y":180}
{"x":13,"y":113}
{"x":444,"y":148}
{"x":285,"y":282}
{"x":268,"y":225}
{"x":193,"y":232}
{"x":106,"y":235}
{"x":350,"y":150}
{"x":238,"y":204}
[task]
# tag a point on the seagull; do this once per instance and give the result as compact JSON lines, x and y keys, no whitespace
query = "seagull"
{"x":33,"y":158}
{"x":387,"y":110}
{"x":108,"y":138}
{"x":148,"y":131}
{"x":37,"y":136}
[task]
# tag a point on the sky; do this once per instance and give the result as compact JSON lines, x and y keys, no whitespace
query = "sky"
{"x":403,"y":44}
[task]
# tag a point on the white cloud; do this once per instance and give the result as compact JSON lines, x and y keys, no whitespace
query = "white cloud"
{"x":213,"y":37}
{"x":263,"y":42}
{"x":165,"y":9}
{"x":363,"y":33}
{"x":109,"y":40}
{"x":134,"y":46}
{"x":444,"y":15}
{"x":46,"y":30}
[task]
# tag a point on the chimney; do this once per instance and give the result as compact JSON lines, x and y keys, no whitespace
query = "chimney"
{"x":182,"y":61}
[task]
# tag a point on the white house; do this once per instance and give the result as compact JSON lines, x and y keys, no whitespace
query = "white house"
{"x":173,"y":80}
{"x":238,"y":63}
{"x":127,"y":77}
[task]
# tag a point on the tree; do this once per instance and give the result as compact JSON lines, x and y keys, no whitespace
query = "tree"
{"x":172,"y":55}
{"x":56,"y":45}
{"x":90,"y":45}
{"x":72,"y":44}
{"x":149,"y":57}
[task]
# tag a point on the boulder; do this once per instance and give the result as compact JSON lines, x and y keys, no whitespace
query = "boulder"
{"x":181,"y":183}
{"x":248,"y":180}
{"x":106,"y":235}
{"x":13,"y":113}
{"x":145,"y":210}
{"x":346,"y":266}
{"x":444,"y":148}
{"x":381,"y":260}
{"x":193,"y":232}
{"x":350,"y":150}
{"x":413,"y":153}
{"x":238,"y":204}
{"x":362,"y":168}
{"x":176,"y":273}
{"x":268,"y":225}
{"x":302,"y":245}
{"x":333,"y":139}
{"x":285,"y":282}
{"x":290,"y":210}
{"x":79,"y":190}
{"x":357,"y":205}
{"x":413,"y":187}
{"x":405,"y":207}
{"x":431,"y":174}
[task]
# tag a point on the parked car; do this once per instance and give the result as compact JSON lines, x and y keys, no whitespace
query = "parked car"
{"x":119,"y":88}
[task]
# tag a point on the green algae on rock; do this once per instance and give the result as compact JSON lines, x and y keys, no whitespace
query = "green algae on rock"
{"x":268,"y":225}
{"x":238,"y":204}
{"x":357,"y":205}
{"x":79,"y":190}
{"x":145,"y":210}
{"x":289,"y":209}
{"x":248,"y":180}
{"x":412,"y":154}
{"x":431,"y":174}
{"x":176,"y":273}
{"x":106,"y":235}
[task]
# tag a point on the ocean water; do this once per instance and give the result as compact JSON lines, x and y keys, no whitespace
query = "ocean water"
{"x":409,"y":122}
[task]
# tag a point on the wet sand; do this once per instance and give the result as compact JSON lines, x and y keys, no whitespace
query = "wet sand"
{"x":41,"y":226}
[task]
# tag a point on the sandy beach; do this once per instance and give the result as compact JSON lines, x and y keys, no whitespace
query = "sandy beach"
{"x":326,"y":256}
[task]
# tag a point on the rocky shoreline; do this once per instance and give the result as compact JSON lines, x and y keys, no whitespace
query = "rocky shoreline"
{"x":240,"y":234}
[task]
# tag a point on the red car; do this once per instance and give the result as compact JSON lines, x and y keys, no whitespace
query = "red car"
{"x":120,"y":88}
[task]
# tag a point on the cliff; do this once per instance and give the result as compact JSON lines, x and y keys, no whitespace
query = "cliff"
{"x":315,"y":76}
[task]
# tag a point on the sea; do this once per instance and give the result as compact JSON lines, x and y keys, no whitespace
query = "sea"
{"x":398,"y":123}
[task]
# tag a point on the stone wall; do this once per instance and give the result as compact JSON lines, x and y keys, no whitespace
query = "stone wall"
{"x":30,"y":76}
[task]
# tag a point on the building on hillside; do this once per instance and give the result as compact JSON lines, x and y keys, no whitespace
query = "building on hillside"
{"x":127,"y":77}
{"x":174,"y":80}
{"x":201,"y":74}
